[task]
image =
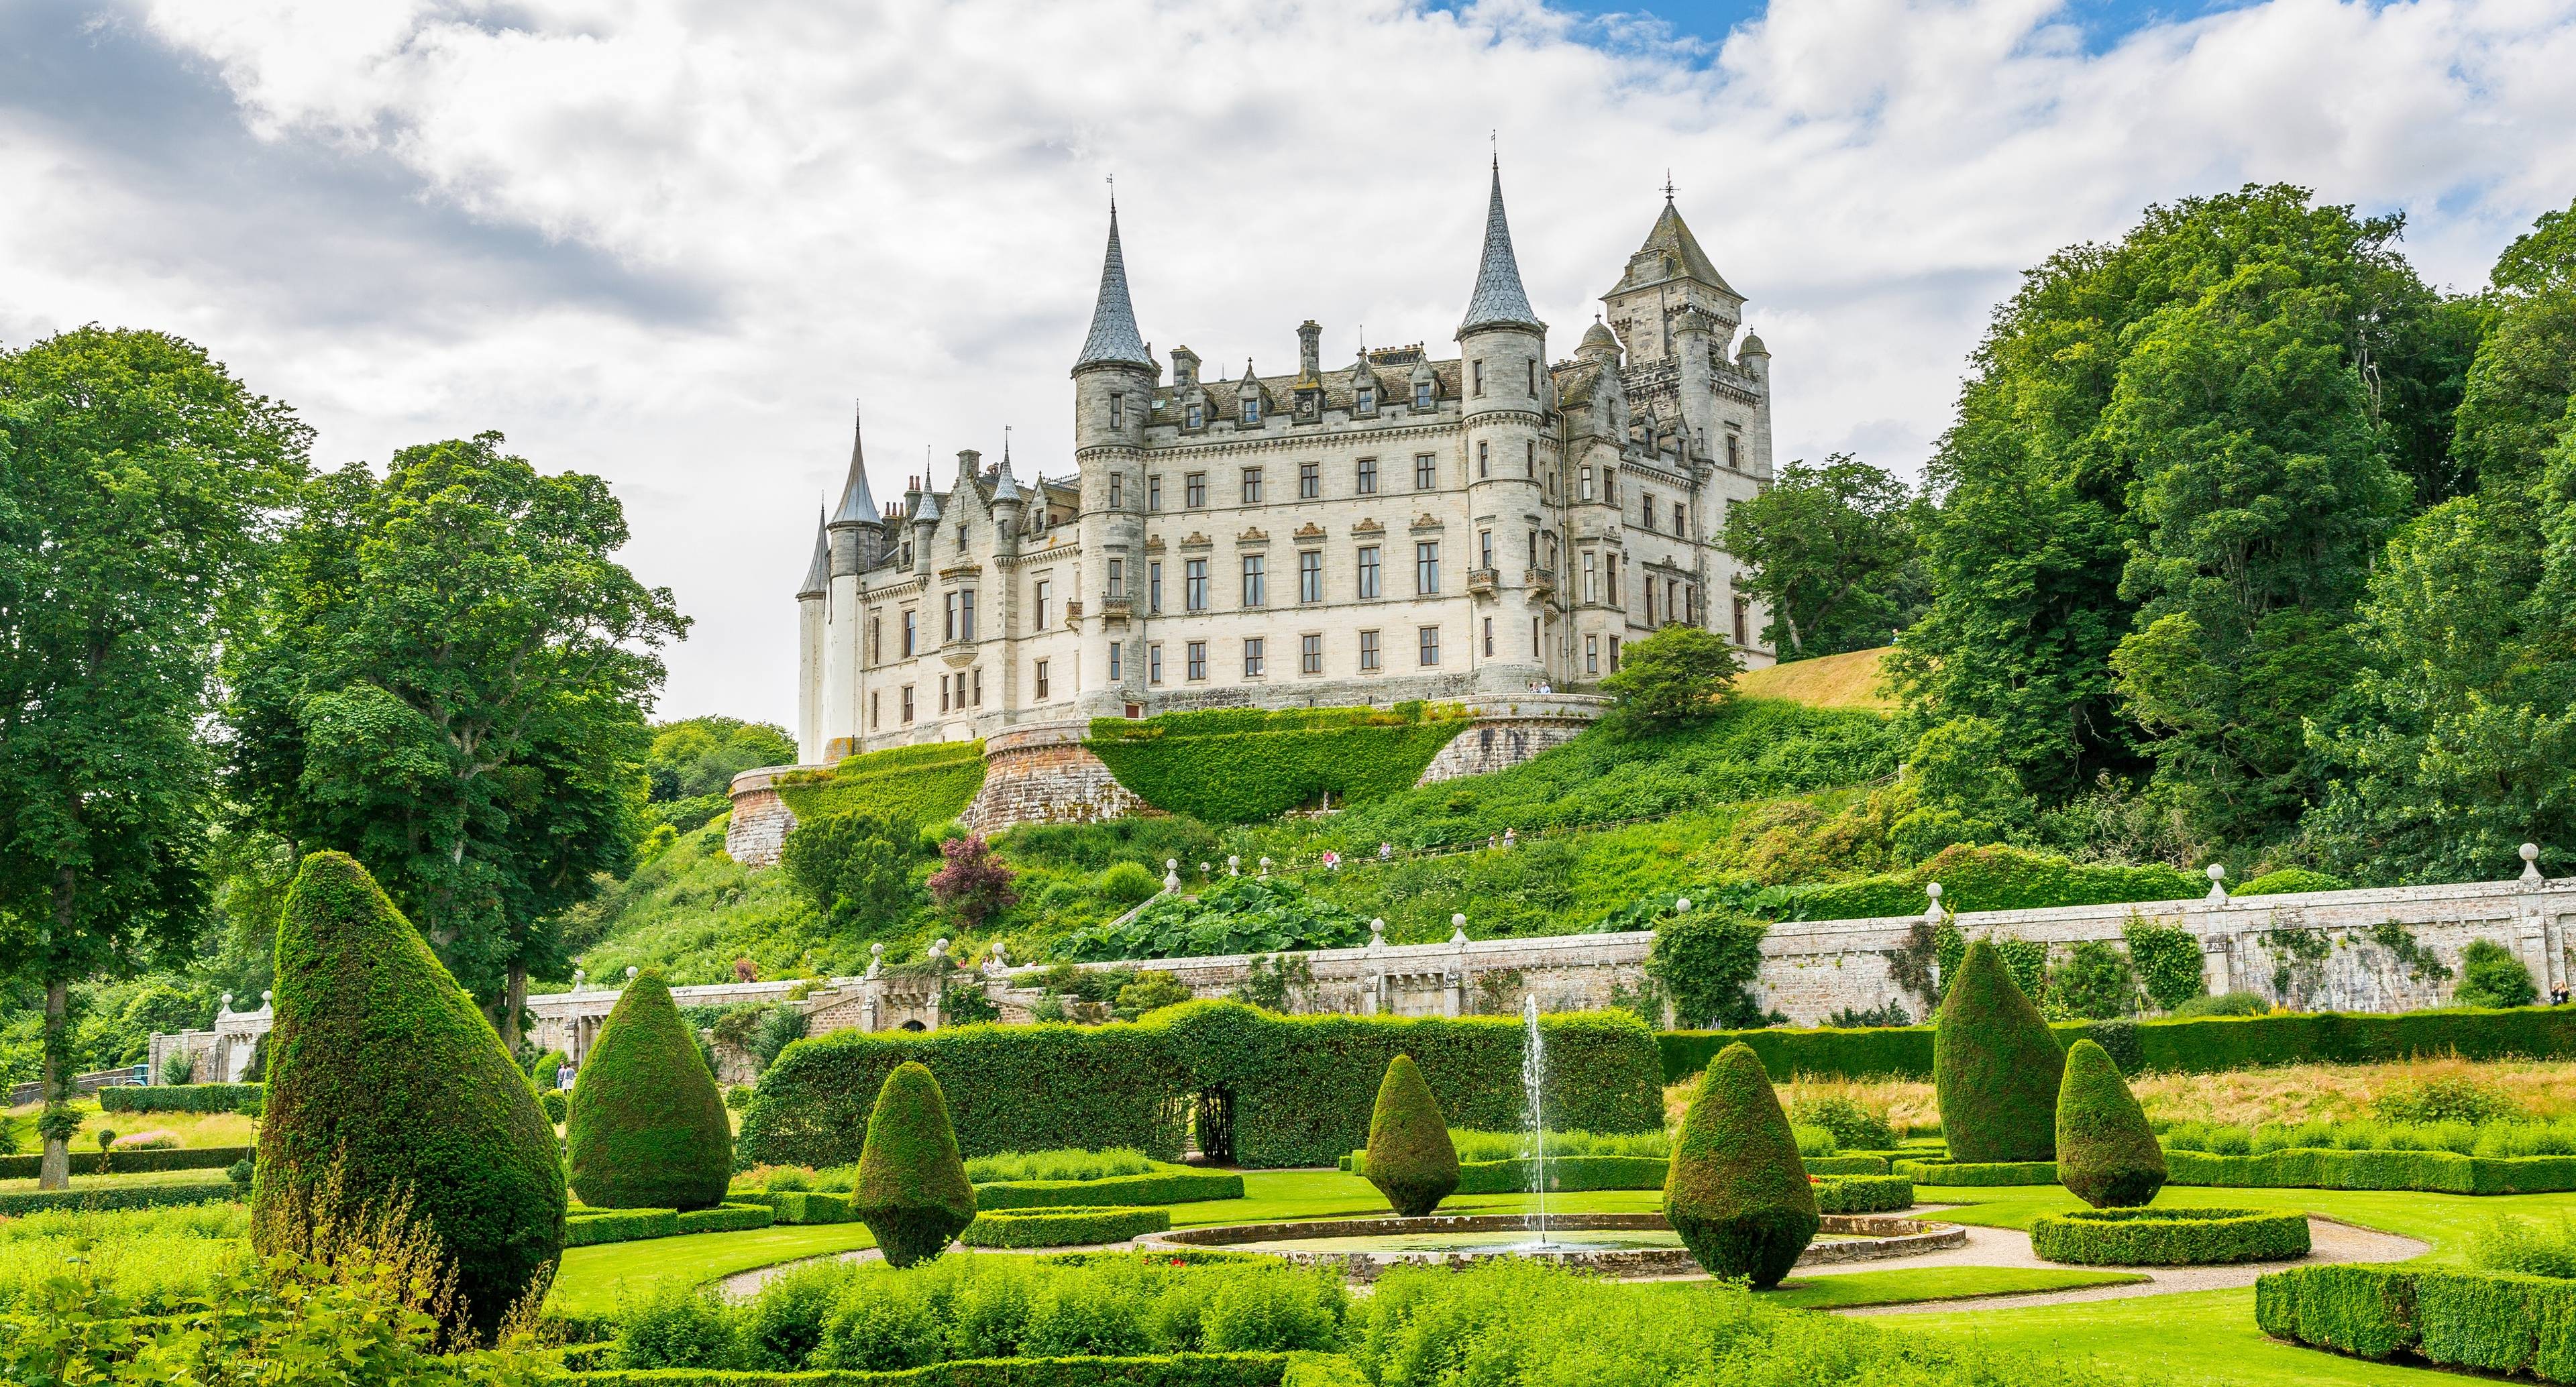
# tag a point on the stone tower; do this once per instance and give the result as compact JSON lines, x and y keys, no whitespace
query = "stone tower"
{"x":853,"y":533}
{"x":1509,"y":452}
{"x":1113,"y":391}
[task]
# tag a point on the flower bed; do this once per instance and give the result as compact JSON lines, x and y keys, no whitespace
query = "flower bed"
{"x":1062,"y":1227}
{"x":1977,"y":1173}
{"x":2492,"y":1321}
{"x":2169,"y":1237}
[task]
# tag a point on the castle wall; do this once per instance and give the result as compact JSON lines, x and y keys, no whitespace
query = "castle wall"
{"x":1044,"y":775}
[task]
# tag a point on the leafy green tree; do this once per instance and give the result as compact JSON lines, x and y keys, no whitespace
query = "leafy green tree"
{"x":1833,"y":554}
{"x":1677,"y":676}
{"x":1410,"y":1157}
{"x":1707,"y":960}
{"x":2095,"y":982}
{"x":854,"y":866}
{"x":138,"y":488}
{"x":2490,"y":976}
{"x":451,"y":684}
{"x":1963,"y":790}
{"x":701,"y":755}
{"x":2518,"y":386}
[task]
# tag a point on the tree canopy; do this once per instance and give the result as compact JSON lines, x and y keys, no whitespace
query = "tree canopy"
{"x":1833,"y":554}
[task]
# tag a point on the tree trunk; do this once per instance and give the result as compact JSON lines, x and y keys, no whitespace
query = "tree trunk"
{"x":514,"y":1000}
{"x":1797,"y":643}
{"x":54,"y":1171}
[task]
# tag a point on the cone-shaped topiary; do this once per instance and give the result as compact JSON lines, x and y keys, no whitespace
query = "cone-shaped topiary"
{"x":2106,"y":1154}
{"x":1410,"y":1158}
{"x":1995,"y":1065}
{"x":647,"y":1125}
{"x":1736,"y":1190}
{"x":912,"y":1190}
{"x":387,"y":1087}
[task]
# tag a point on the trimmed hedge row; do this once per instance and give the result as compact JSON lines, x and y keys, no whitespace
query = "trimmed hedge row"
{"x":2195,"y":1045}
{"x":1302,"y":1087}
{"x":117,"y":1197}
{"x":1978,"y":1173}
{"x":727,"y":1218}
{"x":2444,"y":1172}
{"x":1863,"y":1194}
{"x":243,"y":1098}
{"x":915,"y":784}
{"x":636,"y":1225}
{"x":130,"y":1162}
{"x":1174,"y":1370}
{"x":1123,"y":1191}
{"x":2492,"y":1321}
{"x":1574,"y":1174}
{"x":1235,"y":766}
{"x":2169,"y":1237}
{"x":1065,"y":1226}
{"x":1845,"y":1165}
{"x":798,"y":1206}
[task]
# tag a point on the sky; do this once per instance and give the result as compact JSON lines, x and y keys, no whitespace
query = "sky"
{"x":676,"y":242}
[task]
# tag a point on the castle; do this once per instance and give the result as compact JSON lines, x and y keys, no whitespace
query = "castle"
{"x":1397,"y":528}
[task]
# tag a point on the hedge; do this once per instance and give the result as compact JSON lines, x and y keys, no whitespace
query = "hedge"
{"x":1174,"y":1370}
{"x":2194,"y":1045}
{"x":2169,"y":1237}
{"x":1863,"y":1194}
{"x":243,"y":1098}
{"x":1846,"y":1165}
{"x":621,"y":1226}
{"x":2443,"y":1172}
{"x":130,"y":1162}
{"x":115,"y":1197}
{"x":1062,"y":1227}
{"x":1302,"y":1087}
{"x":727,"y":1218}
{"x":1991,"y":877}
{"x":1576,"y":1174}
{"x":914,"y":784}
{"x":2491,"y":1321}
{"x":1242,"y":765}
{"x":1125,"y":1191}
{"x":1978,"y":1173}
{"x":800,"y":1206}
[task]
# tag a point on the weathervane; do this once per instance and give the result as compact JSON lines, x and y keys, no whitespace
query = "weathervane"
{"x":1668,"y":185}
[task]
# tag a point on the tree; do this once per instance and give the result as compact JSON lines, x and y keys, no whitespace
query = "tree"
{"x":856,"y":867}
{"x":388,"y":1092}
{"x":1833,"y":554}
{"x":138,"y":488}
{"x":1675,"y":677}
{"x":451,"y":684}
{"x":2490,"y":976}
{"x":2107,"y":1156}
{"x":912,"y":1192}
{"x":974,"y":884}
{"x":2515,"y":399}
{"x":647,"y":1127}
{"x":1736,"y":1191}
{"x":1707,"y":960}
{"x":1963,"y":790}
{"x":701,"y":755}
{"x":1410,"y":1157}
{"x":1995,"y":1065}
{"x":2095,"y":982}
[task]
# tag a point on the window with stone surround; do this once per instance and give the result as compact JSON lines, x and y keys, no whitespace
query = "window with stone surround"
{"x":1194,"y":490}
{"x":907,"y":703}
{"x":1154,"y":663}
{"x":1154,"y":585}
{"x":1154,"y":492}
{"x":1368,"y":652}
{"x":1252,"y":657}
{"x":1252,"y":486}
{"x":1197,"y":661}
{"x":1045,"y":602}
{"x":1310,"y":654}
{"x":1042,"y":679}
{"x":1426,"y":471}
{"x":1256,"y":581}
{"x":1422,"y":394}
{"x":1117,"y":577}
{"x":1194,"y":582}
{"x":1310,"y":575}
{"x":1427,"y":642}
{"x":1426,"y":568}
{"x":1368,"y":570}
{"x":1310,"y":480}
{"x":1367,"y":482}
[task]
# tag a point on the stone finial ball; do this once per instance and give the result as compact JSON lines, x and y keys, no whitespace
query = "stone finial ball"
{"x":1682,"y":906}
{"x":2216,"y":872}
{"x":1933,"y":890}
{"x":1457,"y":921}
{"x":631,"y":970}
{"x":2530,"y":852}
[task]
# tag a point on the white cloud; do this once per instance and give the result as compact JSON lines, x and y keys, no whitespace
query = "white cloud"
{"x":668,"y":241}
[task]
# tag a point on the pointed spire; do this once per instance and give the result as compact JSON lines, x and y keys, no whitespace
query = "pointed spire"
{"x":1499,"y":300}
{"x":818,"y":574}
{"x":858,"y":505}
{"x":1114,"y":338}
{"x":1005,"y":486}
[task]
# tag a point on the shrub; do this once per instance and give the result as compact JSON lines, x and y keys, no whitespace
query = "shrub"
{"x":2444,"y":1098}
{"x":1062,"y":1226}
{"x":1239,"y":915}
{"x":2490,"y":976}
{"x":1855,"y":1128}
{"x":2224,"y":1004}
{"x":1737,"y":1193}
{"x":1995,"y":1066}
{"x":623,"y":1226}
{"x":1706,"y":961}
{"x":912,"y":1193}
{"x":974,"y":885}
{"x":2095,"y":981}
{"x":854,"y":867}
{"x":543,"y":1066}
{"x":1863,"y":1194}
{"x":2106,"y":1155}
{"x":179,"y":1068}
{"x":2167,"y":959}
{"x":2291,"y":879}
{"x":244,"y":1098}
{"x":1410,"y":1159}
{"x":387,"y":1086}
{"x":726,"y":1218}
{"x":2530,"y":1246}
{"x":1242,"y":765}
{"x":1128,"y":883}
{"x":675,"y":1327}
{"x":1675,"y":677}
{"x":647,"y":1128}
{"x":2170,"y":1237}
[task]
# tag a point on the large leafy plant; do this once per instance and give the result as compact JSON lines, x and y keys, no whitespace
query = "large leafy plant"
{"x":1245,"y":915}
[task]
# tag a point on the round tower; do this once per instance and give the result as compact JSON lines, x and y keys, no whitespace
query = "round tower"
{"x":1113,"y":392}
{"x":1509,"y":457}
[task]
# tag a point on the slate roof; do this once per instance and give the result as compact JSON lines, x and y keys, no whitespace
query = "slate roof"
{"x":1499,"y":300}
{"x":1673,"y":244}
{"x":1114,"y":337}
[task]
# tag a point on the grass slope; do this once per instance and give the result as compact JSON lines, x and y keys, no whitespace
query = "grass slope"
{"x":1855,"y":682}
{"x":1913,"y":1285}
{"x":594,"y":1279}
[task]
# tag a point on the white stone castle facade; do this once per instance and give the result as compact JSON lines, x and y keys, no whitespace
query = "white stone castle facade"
{"x":1397,"y":528}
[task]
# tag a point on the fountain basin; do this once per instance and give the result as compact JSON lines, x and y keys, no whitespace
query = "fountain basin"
{"x":1624,"y":1245}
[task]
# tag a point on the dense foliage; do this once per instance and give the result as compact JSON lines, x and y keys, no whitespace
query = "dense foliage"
{"x":1410,"y":1158}
{"x":1245,"y":765}
{"x":912,"y":1192}
{"x":855,"y":867}
{"x":1239,"y":915}
{"x":1678,"y":676}
{"x":2106,"y":1154}
{"x":2491,"y":976}
{"x":646,"y":1128}
{"x":1995,"y":1067}
{"x":1707,"y":961}
{"x":1833,"y":555}
{"x":2169,"y":1237}
{"x":925,"y":784}
{"x":1737,"y":1194}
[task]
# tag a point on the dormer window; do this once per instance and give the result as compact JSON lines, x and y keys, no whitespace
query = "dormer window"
{"x":1251,"y":411}
{"x":1195,"y":417}
{"x":1422,"y":394}
{"x":1365,"y":401}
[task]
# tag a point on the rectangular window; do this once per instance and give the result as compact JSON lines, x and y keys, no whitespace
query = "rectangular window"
{"x":1613,"y":577}
{"x":1588,"y":587}
{"x":1533,"y":548}
{"x":1042,"y":679}
{"x":1117,"y":490}
{"x":1734,"y":451}
{"x":1489,"y":638}
{"x":1551,"y":553}
{"x":1117,"y":577}
{"x":1310,"y":480}
{"x":1426,"y":568}
{"x":1154,"y":663}
{"x":1584,"y":479}
{"x":1426,"y":472}
{"x":907,"y":703}
{"x":1256,"y":581}
{"x":948,"y":619}
{"x":876,"y":700}
{"x":979,"y":686}
{"x":1742,"y":626}
{"x":1252,"y":657}
{"x":1113,"y":661}
{"x":1198,"y":660}
{"x":1251,"y":411}
{"x":1614,"y":654}
{"x":1367,"y":485}
{"x":1428,"y":639}
{"x":1194,"y":490}
{"x":1529,"y":459}
{"x":1484,"y":549}
{"x":876,"y":650}
{"x":1476,"y":374}
{"x":1534,"y":646}
{"x":1422,"y":394}
{"x":966,"y":615}
{"x":1368,"y":570}
{"x":1310,"y":575}
{"x":1310,"y":654}
{"x":1532,"y":367}
{"x":1252,"y":486}
{"x":1681,"y":519}
{"x":909,"y":637}
{"x":1672,"y":607}
{"x":1650,"y":600}
{"x":1484,"y":466}
{"x":1154,"y":586}
{"x":1194,"y":418}
{"x":1592,"y":654}
{"x":1646,"y":509}
{"x":1194,"y":585}
{"x":1154,"y":492}
{"x":1368,"y":650}
{"x":1366,"y":399}
{"x":1117,"y":410}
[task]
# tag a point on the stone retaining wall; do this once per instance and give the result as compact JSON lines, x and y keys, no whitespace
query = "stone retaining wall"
{"x":1045,"y":775}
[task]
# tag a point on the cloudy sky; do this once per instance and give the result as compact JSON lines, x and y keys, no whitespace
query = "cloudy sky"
{"x":671,"y":242}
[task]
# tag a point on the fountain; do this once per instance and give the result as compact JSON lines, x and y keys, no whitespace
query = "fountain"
{"x":1533,"y":1084}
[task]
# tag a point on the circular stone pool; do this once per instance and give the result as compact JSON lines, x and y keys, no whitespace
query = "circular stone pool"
{"x":1613,"y":1244}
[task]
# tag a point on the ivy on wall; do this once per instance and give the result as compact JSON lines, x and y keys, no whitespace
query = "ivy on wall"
{"x":1247,"y":765}
{"x":912,"y":784}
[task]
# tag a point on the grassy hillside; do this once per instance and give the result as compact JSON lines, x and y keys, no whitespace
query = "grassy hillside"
{"x":1853,"y":682}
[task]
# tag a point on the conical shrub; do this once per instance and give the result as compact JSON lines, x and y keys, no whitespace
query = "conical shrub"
{"x":1410,"y":1157}
{"x":387,"y":1090}
{"x":2107,"y":1156}
{"x":1736,"y":1190}
{"x":1995,"y":1065}
{"x":647,"y":1125}
{"x":912,"y":1190}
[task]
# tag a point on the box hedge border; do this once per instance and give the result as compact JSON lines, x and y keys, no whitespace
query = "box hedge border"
{"x":1977,"y":1174}
{"x":1577,"y":1174}
{"x":22,"y":1202}
{"x":1862,"y":1194}
{"x":1173,"y":1370}
{"x":131,"y":1162}
{"x":1062,"y":1226}
{"x":241,"y":1098}
{"x":1119,"y":1191}
{"x":589,"y":1228}
{"x":2491,"y":1321}
{"x":2440,"y":1172}
{"x":1302,"y":1087}
{"x":2195,"y":1045}
{"x":2169,"y":1236}
{"x":1237,"y":766}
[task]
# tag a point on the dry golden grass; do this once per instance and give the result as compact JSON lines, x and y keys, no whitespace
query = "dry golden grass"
{"x":1828,"y":681}
{"x":193,"y":1129}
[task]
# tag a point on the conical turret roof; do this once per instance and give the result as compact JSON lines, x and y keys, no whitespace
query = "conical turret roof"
{"x":1672,"y":252}
{"x":1499,"y":300}
{"x":818,"y":574}
{"x":858,"y":506}
{"x":1114,"y":338}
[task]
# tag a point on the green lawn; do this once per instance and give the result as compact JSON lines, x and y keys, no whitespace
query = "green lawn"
{"x":593,"y":1278}
{"x":2444,"y":1220}
{"x":1905,"y":1285}
{"x":2200,"y":1337}
{"x":149,"y":1177}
